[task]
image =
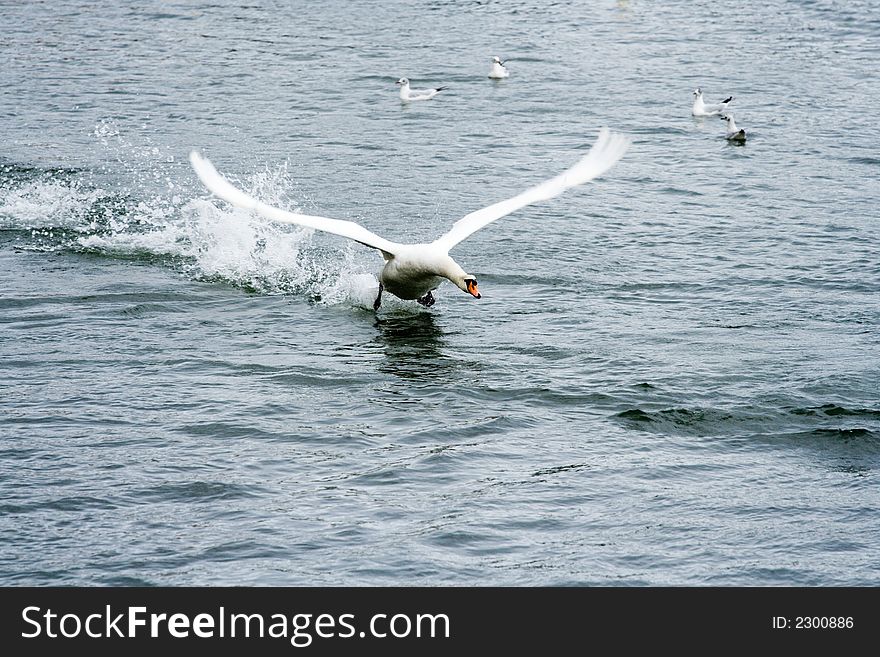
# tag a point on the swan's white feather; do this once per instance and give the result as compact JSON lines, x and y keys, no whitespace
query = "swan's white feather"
{"x":413,"y":270}
{"x":225,"y":190}
{"x":604,"y":154}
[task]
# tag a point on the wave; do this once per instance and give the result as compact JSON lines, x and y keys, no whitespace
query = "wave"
{"x":755,"y":422}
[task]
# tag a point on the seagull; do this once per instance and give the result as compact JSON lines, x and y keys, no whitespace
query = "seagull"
{"x":407,"y":94}
{"x":414,"y":271}
{"x":701,"y":109}
{"x":733,"y":133}
{"x":498,"y":71}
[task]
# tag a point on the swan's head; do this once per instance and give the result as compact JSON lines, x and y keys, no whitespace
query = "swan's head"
{"x":727,"y":117}
{"x":403,"y":82}
{"x":468,"y":283}
{"x":496,"y":59}
{"x":698,"y":92}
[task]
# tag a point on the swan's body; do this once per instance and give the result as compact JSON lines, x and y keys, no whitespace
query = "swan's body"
{"x":733,"y":133}
{"x":700,"y":108}
{"x":498,"y":72}
{"x":417,"y":269}
{"x":408,"y":94}
{"x":412,"y":271}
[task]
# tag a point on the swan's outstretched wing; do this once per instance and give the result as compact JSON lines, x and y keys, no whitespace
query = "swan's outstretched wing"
{"x":604,"y":154}
{"x":225,"y":190}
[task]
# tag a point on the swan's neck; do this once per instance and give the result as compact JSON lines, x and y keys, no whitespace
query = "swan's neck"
{"x":451,"y":269}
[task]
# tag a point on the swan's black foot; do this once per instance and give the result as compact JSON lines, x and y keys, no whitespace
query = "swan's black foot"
{"x":428,"y":300}
{"x":378,"y":301}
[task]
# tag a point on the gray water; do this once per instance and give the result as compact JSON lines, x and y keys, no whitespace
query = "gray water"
{"x":672,"y":376}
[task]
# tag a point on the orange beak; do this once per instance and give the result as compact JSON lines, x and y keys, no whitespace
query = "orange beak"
{"x":472,"y":288}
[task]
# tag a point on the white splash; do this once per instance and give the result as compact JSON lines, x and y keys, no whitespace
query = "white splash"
{"x":203,"y":238}
{"x":47,"y":203}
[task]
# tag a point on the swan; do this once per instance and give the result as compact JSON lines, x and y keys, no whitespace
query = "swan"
{"x":702,"y":109}
{"x":733,"y":133}
{"x":407,"y":94}
{"x":413,"y":271}
{"x":498,"y":71}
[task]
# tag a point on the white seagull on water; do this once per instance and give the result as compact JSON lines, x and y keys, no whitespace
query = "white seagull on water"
{"x":413,"y":271}
{"x":407,"y":94}
{"x":498,"y":71}
{"x":702,"y":109}
{"x":733,"y":133}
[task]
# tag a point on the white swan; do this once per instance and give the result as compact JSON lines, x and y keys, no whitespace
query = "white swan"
{"x":407,"y":94}
{"x":498,"y":71}
{"x":700,"y":108}
{"x":413,"y":271}
{"x":733,"y":133}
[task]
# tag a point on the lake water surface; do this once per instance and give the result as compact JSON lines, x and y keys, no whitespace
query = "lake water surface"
{"x":671,"y":379}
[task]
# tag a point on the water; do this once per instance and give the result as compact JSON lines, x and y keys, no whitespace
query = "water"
{"x":672,"y":377}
